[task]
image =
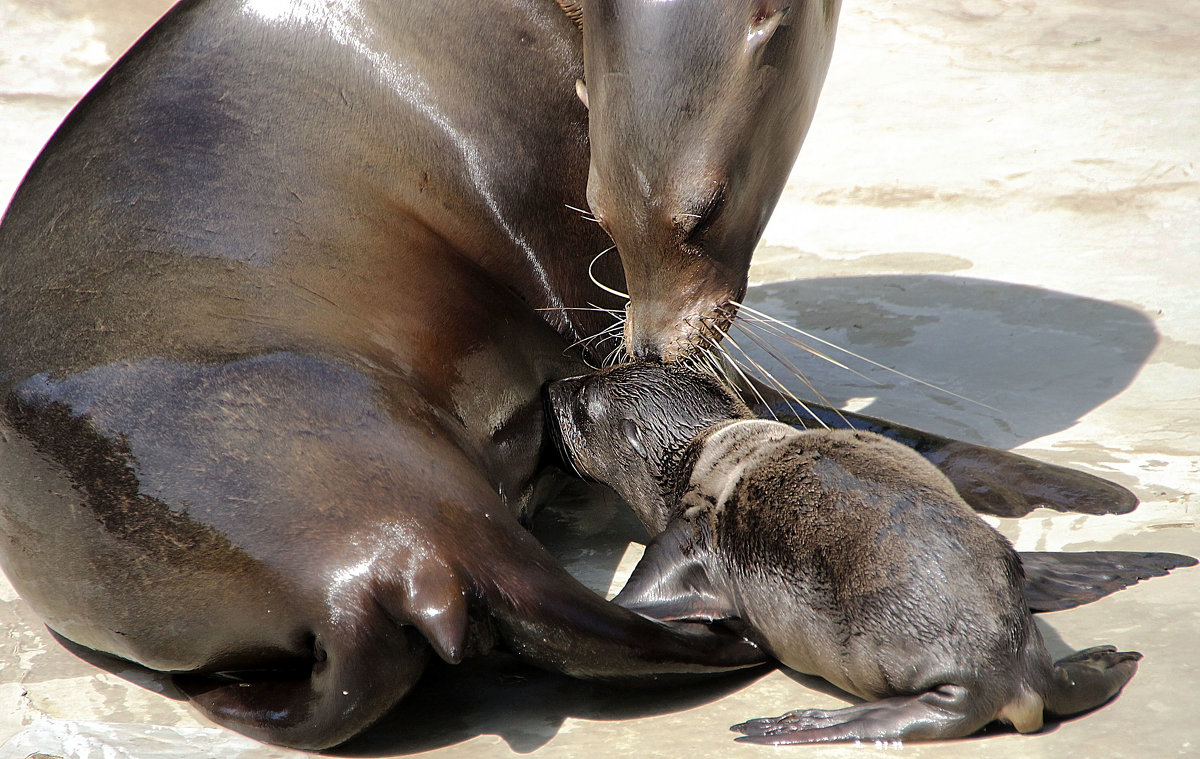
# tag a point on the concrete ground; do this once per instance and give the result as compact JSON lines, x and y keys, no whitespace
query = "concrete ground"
{"x":998,"y":196}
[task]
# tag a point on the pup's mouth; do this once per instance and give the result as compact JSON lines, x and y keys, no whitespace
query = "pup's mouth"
{"x":557,"y":399}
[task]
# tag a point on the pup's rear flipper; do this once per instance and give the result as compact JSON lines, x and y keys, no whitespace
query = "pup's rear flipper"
{"x":1055,"y":581}
{"x":1088,"y":678}
{"x":945,"y":712}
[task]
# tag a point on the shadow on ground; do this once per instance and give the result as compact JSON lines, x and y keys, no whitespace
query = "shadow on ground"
{"x":523,"y":706}
{"x":1040,"y":359}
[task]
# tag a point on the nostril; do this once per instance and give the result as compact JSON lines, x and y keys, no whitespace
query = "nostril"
{"x":645,"y":352}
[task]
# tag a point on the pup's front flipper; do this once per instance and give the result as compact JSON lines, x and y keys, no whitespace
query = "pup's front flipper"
{"x":944,"y":712}
{"x":672,"y":580}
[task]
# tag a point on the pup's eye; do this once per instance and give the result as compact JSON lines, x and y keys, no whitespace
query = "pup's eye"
{"x":633,"y":435}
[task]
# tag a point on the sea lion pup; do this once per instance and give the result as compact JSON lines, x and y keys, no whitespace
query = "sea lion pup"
{"x":843,"y":554}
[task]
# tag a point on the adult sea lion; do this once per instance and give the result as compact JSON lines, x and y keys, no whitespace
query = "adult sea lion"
{"x":278,"y":300}
{"x":842,"y":553}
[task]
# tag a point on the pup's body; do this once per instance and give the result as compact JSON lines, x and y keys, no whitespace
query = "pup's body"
{"x":844,"y":554}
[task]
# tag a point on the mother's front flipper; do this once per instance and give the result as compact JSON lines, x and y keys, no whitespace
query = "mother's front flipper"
{"x":991,"y":481}
{"x":550,"y":620}
{"x":1056,"y":580}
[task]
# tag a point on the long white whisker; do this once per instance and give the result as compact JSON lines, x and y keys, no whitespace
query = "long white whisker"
{"x":614,"y":356}
{"x":864,"y":359}
{"x":619,"y":313}
{"x":617,"y":325}
{"x":723,"y":363}
{"x":719,"y":368}
{"x":704,"y":361}
{"x":753,"y":388}
{"x":767,"y":348}
{"x":784,"y":361}
{"x":613,"y":331}
{"x":584,"y":213}
{"x":589,"y":307}
{"x":713,"y":338}
{"x":697,"y":364}
{"x":597,"y":338}
{"x":788,"y":395}
{"x":770,"y":328}
{"x":596,"y":282}
{"x":753,"y":365}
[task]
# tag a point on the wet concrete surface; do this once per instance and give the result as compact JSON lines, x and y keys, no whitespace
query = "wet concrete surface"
{"x":997,"y":197}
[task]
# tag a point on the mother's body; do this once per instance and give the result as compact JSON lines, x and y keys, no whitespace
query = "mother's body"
{"x":278,"y":300}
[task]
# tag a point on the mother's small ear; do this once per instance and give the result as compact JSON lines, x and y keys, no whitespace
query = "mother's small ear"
{"x":633,"y":434}
{"x":767,"y":18}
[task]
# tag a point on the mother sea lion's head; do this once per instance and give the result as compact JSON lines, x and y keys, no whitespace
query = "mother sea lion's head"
{"x":697,"y":111}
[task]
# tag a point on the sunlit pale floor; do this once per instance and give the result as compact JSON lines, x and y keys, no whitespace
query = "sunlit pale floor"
{"x":1001,"y":198}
